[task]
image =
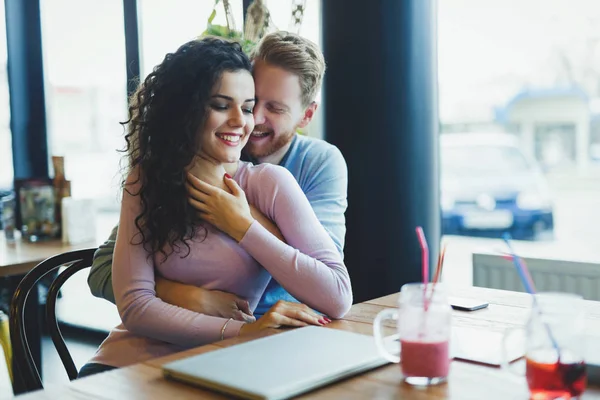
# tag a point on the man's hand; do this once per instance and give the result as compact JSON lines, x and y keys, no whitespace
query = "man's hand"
{"x":285,"y":313}
{"x":226,"y":305}
{"x":204,"y":301}
{"x":228,"y":212}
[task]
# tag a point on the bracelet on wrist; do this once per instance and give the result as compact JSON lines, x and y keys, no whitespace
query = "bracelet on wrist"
{"x":223,"y":328}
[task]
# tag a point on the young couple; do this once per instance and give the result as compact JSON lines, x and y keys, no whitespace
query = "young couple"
{"x":204,"y":238}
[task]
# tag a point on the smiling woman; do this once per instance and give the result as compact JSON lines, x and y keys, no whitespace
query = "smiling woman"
{"x":167,"y":132}
{"x":229,"y":119}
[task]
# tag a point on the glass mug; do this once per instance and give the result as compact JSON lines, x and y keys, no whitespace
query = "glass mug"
{"x":423,"y":334}
{"x":558,"y":321}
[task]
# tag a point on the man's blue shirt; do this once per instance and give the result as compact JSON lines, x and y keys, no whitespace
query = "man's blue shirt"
{"x":321,"y":171}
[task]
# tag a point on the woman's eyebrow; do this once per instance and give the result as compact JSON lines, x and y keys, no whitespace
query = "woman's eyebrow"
{"x":229,"y":98}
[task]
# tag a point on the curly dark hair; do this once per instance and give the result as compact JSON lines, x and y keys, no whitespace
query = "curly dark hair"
{"x":165,"y":116}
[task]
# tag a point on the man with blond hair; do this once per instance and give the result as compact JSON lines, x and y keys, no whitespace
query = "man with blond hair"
{"x":288,"y":73}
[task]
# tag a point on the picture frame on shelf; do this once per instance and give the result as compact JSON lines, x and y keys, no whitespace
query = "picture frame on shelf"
{"x":36,"y":209}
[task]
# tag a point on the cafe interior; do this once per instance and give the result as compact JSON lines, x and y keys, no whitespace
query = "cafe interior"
{"x":371,"y":306}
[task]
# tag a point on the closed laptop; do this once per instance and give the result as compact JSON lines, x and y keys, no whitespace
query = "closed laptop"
{"x":280,"y":366}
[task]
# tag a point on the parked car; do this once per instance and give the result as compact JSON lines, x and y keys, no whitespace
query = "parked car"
{"x":489,"y":186}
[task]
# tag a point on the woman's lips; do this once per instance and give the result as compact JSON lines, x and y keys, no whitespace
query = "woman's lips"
{"x":229,"y":139}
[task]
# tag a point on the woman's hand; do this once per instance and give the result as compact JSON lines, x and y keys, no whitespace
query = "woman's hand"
{"x":285,"y":313}
{"x":228,"y":212}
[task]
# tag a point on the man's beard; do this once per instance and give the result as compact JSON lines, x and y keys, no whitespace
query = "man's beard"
{"x":272,"y":146}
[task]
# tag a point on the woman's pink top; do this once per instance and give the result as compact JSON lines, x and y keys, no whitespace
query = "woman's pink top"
{"x":309,"y":266}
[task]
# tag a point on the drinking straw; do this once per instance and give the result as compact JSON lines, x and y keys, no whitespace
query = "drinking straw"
{"x":424,"y":263}
{"x":522,"y":269}
{"x":438,"y":272}
{"x":440,"y":265}
{"x":424,"y":255}
{"x":525,"y":276}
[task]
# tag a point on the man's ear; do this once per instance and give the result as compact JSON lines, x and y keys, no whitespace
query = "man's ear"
{"x":308,"y":114}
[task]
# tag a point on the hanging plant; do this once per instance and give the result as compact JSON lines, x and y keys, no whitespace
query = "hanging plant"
{"x":258,"y":22}
{"x":227,"y":31}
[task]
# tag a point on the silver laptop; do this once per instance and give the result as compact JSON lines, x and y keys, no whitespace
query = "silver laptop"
{"x":280,"y":366}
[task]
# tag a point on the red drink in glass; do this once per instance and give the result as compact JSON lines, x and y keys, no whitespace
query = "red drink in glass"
{"x":424,"y":320}
{"x":549,"y":378}
{"x":428,"y":359}
{"x":554,"y":366}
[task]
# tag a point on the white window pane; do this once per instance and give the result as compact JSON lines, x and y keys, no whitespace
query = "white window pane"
{"x":531,"y":76}
{"x":85,"y":84}
{"x":164,"y":26}
{"x":281,"y":14}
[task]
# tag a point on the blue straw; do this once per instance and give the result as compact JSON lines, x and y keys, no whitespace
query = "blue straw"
{"x":520,"y":266}
{"x":529,"y":287}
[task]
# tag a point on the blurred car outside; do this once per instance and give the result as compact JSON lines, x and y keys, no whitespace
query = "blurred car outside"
{"x":489,"y":186}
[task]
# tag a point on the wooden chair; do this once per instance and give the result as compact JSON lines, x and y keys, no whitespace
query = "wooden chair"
{"x":26,"y":374}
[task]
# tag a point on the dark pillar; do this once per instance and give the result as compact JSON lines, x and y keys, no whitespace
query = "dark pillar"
{"x":380,"y":109}
{"x":132,"y":45}
{"x":26,"y":89}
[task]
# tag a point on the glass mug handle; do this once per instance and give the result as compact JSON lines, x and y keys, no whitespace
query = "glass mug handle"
{"x":387,"y":314}
{"x":505,"y":364}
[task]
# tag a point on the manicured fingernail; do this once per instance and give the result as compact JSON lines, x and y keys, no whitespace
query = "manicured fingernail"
{"x":227,"y":176}
{"x":323,"y":322}
{"x":327,"y":319}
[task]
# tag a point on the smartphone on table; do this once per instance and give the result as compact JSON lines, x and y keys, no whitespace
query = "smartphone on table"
{"x":466,"y":304}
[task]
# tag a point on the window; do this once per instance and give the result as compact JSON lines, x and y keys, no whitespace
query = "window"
{"x":468,"y":161}
{"x":555,"y":145}
{"x":85,"y":84}
{"x":519,"y":86}
{"x":281,"y":15}
{"x":6,"y":166}
{"x":164,"y":26}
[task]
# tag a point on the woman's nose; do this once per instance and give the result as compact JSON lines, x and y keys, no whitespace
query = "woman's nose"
{"x":237,"y":119}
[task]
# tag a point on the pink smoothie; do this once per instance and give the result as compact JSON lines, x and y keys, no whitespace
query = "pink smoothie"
{"x":425,"y":359}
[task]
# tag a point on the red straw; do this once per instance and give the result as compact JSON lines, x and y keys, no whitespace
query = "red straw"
{"x":440,"y":264}
{"x":424,"y":255}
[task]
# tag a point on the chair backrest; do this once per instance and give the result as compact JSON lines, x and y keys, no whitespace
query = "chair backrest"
{"x":23,"y":362}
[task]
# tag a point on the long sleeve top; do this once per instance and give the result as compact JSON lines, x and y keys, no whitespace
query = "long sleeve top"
{"x":320,"y":170}
{"x":309,"y":263}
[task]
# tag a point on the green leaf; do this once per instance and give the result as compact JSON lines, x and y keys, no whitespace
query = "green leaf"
{"x":212,"y":15}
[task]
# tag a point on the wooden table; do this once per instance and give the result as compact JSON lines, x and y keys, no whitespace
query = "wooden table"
{"x":466,"y":380}
{"x":19,"y":257}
